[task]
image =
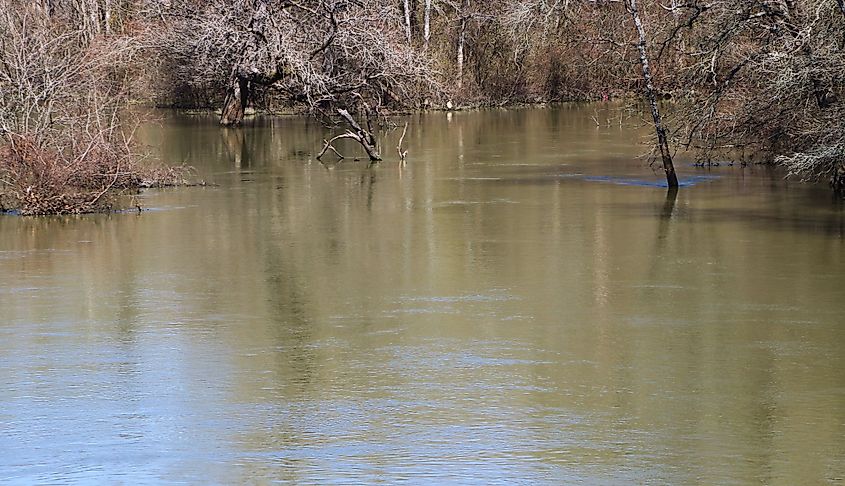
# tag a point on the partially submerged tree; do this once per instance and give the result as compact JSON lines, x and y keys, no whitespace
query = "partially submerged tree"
{"x":318,"y":53}
{"x":766,"y":79}
{"x":759,"y":77}
{"x":651,"y":97}
{"x":595,"y":38}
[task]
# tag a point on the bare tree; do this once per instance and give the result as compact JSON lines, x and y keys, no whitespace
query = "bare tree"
{"x":747,"y":76}
{"x":464,"y":16}
{"x":318,"y":53}
{"x":406,"y":11}
{"x":427,"y":24}
{"x":459,"y":60}
{"x":361,"y":135}
{"x":766,"y":80}
{"x":651,"y":97}
{"x":65,"y":144}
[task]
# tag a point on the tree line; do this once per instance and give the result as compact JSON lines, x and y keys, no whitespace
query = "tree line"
{"x":760,"y":80}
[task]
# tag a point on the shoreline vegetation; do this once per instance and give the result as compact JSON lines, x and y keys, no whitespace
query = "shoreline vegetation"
{"x":42,"y":181}
{"x":748,"y":79}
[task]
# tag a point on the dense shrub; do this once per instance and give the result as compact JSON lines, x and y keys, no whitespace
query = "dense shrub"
{"x":35,"y":180}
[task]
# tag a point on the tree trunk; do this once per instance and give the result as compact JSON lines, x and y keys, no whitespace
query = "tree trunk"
{"x":837,"y":181}
{"x":365,"y":137}
{"x":95,"y":17}
{"x":427,"y":23}
{"x":663,"y":144}
{"x":460,"y":58}
{"x":237,"y":98}
{"x":406,"y":10}
{"x":415,"y":21}
{"x":107,"y":16}
{"x":245,"y":72}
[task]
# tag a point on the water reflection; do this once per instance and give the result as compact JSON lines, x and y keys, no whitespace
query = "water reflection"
{"x":485,"y":314}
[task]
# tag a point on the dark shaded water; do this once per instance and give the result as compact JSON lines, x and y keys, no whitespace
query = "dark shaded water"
{"x":520,"y":304}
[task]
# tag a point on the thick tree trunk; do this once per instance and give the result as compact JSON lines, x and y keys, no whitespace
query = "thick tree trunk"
{"x":427,"y":23}
{"x":245,"y":72}
{"x":663,"y":144}
{"x":237,"y":98}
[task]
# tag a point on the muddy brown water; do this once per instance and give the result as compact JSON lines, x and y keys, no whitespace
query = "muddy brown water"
{"x":520,"y":304}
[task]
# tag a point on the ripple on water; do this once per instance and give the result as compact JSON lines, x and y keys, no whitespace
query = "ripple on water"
{"x":630,"y":181}
{"x":153,"y":209}
{"x":446,"y":204}
{"x":495,"y":295}
{"x":446,"y":304}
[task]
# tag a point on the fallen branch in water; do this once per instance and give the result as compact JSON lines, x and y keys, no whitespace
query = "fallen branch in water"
{"x":364,"y":137}
{"x":328,"y":146}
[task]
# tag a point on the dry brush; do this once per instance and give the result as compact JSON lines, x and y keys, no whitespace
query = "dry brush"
{"x":66,"y":136}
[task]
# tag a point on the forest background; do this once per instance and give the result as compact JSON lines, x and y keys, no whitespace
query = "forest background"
{"x":759,"y":81}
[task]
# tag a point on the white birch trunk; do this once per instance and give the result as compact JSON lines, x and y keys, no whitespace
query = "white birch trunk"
{"x":460,"y":59}
{"x":427,"y":23}
{"x":107,"y":16}
{"x":406,"y":9}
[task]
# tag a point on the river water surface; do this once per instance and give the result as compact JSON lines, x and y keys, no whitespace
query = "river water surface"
{"x":521,"y":304}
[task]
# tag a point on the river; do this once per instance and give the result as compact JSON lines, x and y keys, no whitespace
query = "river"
{"x":521,"y":304}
